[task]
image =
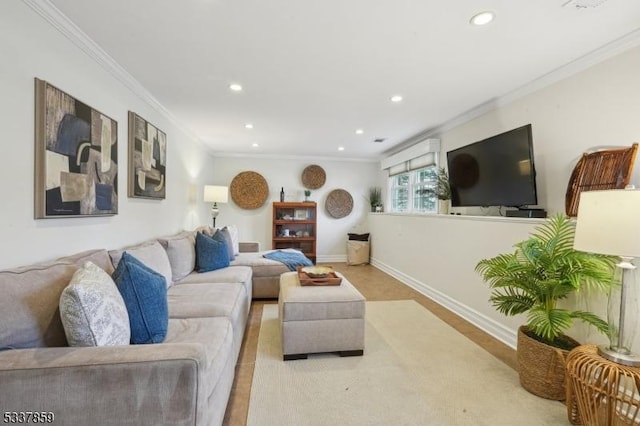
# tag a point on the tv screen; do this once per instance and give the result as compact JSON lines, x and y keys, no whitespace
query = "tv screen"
{"x":497,"y":171}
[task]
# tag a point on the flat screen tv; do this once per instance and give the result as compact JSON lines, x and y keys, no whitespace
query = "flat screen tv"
{"x":497,"y":171}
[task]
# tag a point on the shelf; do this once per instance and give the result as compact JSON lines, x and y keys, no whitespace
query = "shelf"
{"x":294,"y":222}
{"x":306,"y":211}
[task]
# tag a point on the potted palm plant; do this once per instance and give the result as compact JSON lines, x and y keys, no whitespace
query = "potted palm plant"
{"x":442,"y":191}
{"x":375,"y":198}
{"x":543,"y":270}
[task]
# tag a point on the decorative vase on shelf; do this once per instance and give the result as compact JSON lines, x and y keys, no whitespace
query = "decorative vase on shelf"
{"x":443,"y":206}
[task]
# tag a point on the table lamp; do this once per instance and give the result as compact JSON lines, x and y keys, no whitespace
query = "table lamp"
{"x":215,"y":194}
{"x":609,"y":223}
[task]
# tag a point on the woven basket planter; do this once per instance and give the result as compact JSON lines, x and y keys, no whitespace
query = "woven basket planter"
{"x":542,"y":368}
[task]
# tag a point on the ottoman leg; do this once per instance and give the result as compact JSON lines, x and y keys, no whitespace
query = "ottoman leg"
{"x":352,"y":353}
{"x":292,"y":357}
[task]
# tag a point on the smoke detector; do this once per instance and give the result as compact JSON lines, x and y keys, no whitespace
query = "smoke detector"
{"x":584,"y":4}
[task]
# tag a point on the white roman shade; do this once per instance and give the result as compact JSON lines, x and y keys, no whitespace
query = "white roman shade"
{"x":420,"y":155}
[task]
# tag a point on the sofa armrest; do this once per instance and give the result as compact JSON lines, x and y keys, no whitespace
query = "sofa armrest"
{"x":137,"y":384}
{"x":250,"y":247}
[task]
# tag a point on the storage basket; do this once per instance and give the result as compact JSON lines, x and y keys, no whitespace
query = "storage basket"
{"x":357,"y":252}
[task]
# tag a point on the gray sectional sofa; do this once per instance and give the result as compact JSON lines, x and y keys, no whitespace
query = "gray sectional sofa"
{"x":186,"y":380}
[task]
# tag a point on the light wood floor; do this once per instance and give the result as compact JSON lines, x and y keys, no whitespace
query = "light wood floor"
{"x":374,"y":285}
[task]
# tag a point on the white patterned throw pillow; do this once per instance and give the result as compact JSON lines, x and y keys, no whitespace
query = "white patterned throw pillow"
{"x":92,"y":310}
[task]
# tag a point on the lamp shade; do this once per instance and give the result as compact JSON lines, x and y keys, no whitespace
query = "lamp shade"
{"x":608,"y":222}
{"x":216,"y":194}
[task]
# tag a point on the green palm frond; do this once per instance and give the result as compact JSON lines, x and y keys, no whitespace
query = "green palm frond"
{"x":511,"y":302}
{"x":542,"y":270}
{"x":549,"y":323}
{"x":601,"y":325}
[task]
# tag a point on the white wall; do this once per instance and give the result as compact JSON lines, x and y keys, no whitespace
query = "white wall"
{"x":29,"y":48}
{"x":596,"y":107}
{"x":255,"y":225}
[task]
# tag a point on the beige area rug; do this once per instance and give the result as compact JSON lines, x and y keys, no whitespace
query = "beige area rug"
{"x":416,"y":370}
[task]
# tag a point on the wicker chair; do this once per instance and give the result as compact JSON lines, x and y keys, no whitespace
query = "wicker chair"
{"x":603,"y":169}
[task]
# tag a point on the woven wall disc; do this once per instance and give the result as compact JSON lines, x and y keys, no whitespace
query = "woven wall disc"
{"x":313,"y":177}
{"x":339,"y":203}
{"x":249,"y":190}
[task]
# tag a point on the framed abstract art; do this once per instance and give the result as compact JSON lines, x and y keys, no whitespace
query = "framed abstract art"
{"x":147,"y":159}
{"x":76,"y":157}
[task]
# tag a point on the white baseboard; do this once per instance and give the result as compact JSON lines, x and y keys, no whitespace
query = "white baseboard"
{"x":490,"y":326}
{"x":335,"y":258}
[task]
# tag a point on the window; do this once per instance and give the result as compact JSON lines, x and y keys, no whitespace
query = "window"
{"x":400,"y":192}
{"x":413,"y":174}
{"x":411,"y":191}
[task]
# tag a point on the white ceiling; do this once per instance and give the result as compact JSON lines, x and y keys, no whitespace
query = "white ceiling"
{"x":315,"y":71}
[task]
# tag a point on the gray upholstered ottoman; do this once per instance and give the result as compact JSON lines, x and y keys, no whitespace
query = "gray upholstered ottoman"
{"x":320,"y":318}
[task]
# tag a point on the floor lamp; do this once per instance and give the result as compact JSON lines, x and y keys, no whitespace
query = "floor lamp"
{"x":608,"y":223}
{"x":215,"y":194}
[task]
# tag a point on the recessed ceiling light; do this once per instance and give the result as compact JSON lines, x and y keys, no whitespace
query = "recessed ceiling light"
{"x":359,"y":131}
{"x":255,"y":145}
{"x":396,"y":98}
{"x":235,"y":87}
{"x":248,"y":126}
{"x":482,"y":18}
{"x":341,"y":148}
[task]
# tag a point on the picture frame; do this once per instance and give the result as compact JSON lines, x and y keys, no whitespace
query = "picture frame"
{"x":76,"y":157}
{"x":147,"y":159}
{"x":300,"y":214}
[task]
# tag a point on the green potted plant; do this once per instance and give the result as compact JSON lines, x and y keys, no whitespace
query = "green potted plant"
{"x":442,"y":191}
{"x":307,"y":194}
{"x":543,"y":270}
{"x":375,"y":198}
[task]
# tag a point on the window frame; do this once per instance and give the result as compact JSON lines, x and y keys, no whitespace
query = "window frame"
{"x":414,"y":183}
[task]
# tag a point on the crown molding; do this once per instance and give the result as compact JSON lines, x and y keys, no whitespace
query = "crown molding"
{"x":71,"y":31}
{"x":220,"y":154}
{"x":582,"y":63}
{"x":80,"y":39}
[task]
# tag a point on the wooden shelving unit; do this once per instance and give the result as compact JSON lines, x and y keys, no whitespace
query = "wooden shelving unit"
{"x":295,"y":226}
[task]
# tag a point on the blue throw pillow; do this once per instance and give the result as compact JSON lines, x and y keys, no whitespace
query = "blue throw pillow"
{"x":145,"y":295}
{"x":211,"y":254}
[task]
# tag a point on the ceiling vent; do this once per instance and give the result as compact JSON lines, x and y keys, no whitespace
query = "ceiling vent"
{"x":583,"y":4}
{"x":379,"y":140}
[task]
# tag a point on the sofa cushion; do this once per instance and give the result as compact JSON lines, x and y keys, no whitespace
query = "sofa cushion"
{"x":92,"y":310}
{"x":29,"y":314}
{"x":211,"y":254}
{"x":145,"y":296}
{"x":230,"y":274}
{"x":206,"y":230}
{"x":181,"y":251}
{"x":261,"y":266}
{"x":211,"y":300}
{"x":235,"y":239}
{"x":99,"y":257}
{"x":151,"y":254}
{"x":224,"y":236}
{"x":213,"y":337}
{"x":228,"y":300}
